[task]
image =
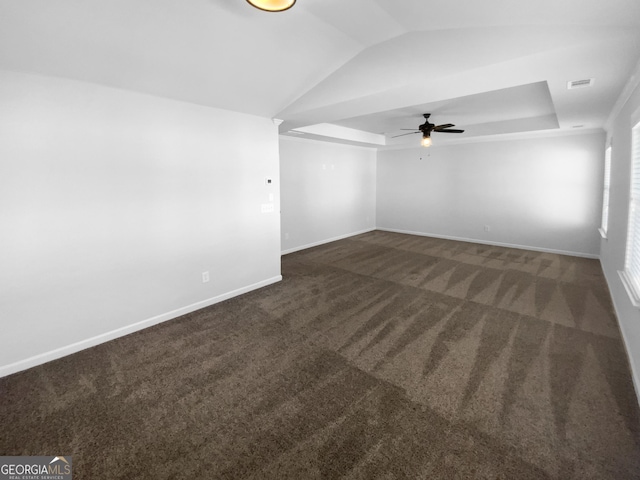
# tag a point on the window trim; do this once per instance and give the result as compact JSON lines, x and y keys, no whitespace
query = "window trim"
{"x":629,"y":287}
{"x":630,"y":281}
{"x":606,"y":193}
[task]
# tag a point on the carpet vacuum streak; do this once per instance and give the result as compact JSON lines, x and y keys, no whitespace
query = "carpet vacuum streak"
{"x":381,"y":356}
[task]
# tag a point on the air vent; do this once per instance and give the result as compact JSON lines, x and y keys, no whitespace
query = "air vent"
{"x":580,"y":83}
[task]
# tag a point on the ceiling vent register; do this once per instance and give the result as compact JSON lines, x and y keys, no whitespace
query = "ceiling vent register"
{"x":580,"y":83}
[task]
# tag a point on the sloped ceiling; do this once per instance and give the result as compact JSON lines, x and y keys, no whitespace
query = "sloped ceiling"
{"x":490,"y":67}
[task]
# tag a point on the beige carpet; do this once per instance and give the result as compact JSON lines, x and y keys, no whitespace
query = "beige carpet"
{"x":381,"y":356}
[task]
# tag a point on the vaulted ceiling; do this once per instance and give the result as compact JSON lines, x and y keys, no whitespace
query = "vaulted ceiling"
{"x":356,"y":71}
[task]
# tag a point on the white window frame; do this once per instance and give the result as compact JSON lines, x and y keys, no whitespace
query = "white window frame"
{"x":631,"y":274}
{"x":605,"y":192}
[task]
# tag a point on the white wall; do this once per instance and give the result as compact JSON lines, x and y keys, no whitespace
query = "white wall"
{"x":612,"y":250}
{"x":112,"y":204}
{"x":328,"y":191}
{"x":542,"y":193}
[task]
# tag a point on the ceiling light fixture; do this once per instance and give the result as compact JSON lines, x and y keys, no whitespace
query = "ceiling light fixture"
{"x":272,"y":5}
{"x":426,"y":128}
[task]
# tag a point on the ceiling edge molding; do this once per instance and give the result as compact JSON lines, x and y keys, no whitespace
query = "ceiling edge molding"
{"x":627,"y":91}
{"x":504,"y":138}
{"x":323,"y":140}
{"x":337,"y":132}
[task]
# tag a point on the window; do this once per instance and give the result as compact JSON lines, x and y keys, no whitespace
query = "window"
{"x":631,"y":274}
{"x":605,"y":193}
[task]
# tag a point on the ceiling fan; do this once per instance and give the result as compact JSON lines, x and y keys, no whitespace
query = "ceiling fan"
{"x":426,"y":128}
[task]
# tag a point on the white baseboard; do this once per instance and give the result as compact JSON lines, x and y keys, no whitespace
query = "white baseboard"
{"x":488,"y":242}
{"x":635,"y":374}
{"x":121,"y":332}
{"x":327,"y":240}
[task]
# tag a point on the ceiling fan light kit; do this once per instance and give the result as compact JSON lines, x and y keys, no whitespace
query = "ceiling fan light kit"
{"x":272,"y":5}
{"x":426,"y":128}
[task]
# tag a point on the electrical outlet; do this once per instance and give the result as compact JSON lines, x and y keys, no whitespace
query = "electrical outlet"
{"x":286,"y":236}
{"x":205,"y":277}
{"x":487,"y":228}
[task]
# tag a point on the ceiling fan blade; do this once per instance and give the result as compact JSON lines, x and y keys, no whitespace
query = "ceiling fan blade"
{"x":450,"y":131}
{"x":411,"y":133}
{"x":446,"y":125}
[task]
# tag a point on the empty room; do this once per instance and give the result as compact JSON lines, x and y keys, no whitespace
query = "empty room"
{"x":320,"y":239}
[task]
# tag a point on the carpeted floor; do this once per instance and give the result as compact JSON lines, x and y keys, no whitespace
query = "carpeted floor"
{"x":381,"y":356}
